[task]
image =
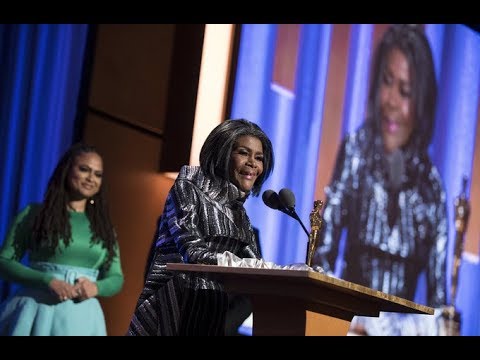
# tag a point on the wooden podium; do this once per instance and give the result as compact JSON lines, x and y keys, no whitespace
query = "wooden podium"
{"x":291,"y":302}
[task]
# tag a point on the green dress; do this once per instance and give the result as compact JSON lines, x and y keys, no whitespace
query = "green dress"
{"x":34,"y":309}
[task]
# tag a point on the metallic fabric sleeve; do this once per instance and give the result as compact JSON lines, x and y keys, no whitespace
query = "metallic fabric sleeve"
{"x":183,"y":217}
{"x":202,"y":224}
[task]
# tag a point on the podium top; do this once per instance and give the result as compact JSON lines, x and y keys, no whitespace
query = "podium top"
{"x":308,"y":286}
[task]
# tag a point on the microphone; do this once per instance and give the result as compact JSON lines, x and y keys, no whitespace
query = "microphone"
{"x":287,"y":198}
{"x":396,"y":173}
{"x":396,"y":169}
{"x":285,"y":202}
{"x":271,"y":199}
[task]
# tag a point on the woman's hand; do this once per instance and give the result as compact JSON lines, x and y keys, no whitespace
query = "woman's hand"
{"x":85,"y":289}
{"x":62,"y":289}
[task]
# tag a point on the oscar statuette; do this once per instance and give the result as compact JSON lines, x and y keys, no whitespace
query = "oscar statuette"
{"x":315,"y":225}
{"x":451,"y":314}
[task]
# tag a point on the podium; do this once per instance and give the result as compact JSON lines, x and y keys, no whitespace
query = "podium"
{"x":302,"y":303}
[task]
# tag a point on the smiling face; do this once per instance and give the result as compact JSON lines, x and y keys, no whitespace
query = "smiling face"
{"x":246,"y":162}
{"x":85,"y":176}
{"x":396,"y":102}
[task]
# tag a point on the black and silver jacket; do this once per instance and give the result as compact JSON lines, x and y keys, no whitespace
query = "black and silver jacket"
{"x":202,"y":217}
{"x":395,"y":228}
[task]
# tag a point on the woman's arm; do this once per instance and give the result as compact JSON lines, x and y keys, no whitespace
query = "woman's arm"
{"x":13,"y":250}
{"x":111,"y":281}
{"x":182,"y":214}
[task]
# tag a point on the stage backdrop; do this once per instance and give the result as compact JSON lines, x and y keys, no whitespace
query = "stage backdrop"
{"x":306,"y":86}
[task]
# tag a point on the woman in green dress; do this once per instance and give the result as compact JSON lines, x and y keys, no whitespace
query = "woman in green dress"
{"x":73,"y":254}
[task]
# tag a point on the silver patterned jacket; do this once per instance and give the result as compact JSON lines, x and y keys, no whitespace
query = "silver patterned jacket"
{"x":202,"y":218}
{"x":395,"y":221}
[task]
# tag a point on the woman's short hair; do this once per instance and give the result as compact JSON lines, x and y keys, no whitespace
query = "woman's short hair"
{"x":216,"y":150}
{"x":410,"y":39}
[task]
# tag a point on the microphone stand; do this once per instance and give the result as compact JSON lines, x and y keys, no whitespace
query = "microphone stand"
{"x":291,"y":212}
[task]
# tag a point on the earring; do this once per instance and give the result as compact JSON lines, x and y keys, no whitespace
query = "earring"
{"x":92,"y":201}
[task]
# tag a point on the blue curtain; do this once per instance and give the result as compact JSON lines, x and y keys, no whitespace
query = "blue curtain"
{"x":40,"y":70}
{"x":294,"y":122}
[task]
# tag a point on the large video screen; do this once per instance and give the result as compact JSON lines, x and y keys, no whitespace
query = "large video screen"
{"x":378,"y":121}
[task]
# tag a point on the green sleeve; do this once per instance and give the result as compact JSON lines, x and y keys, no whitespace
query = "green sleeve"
{"x":13,"y":249}
{"x":111,"y":281}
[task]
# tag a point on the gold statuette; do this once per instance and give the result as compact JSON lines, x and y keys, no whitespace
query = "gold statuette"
{"x":315,"y":225}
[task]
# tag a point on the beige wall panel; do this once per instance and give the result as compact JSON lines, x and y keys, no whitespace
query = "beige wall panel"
{"x":131,"y":70}
{"x":136,"y":194}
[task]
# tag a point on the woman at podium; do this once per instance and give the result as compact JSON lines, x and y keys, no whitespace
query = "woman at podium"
{"x":204,"y":215}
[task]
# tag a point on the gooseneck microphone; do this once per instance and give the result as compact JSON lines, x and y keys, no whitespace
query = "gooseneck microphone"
{"x":287,"y":198}
{"x":272,"y":200}
{"x":395,"y":175}
{"x":283,"y":201}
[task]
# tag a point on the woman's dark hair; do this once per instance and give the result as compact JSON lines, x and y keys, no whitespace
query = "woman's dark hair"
{"x":412,"y":42}
{"x":52,"y":222}
{"x":215,"y":152}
